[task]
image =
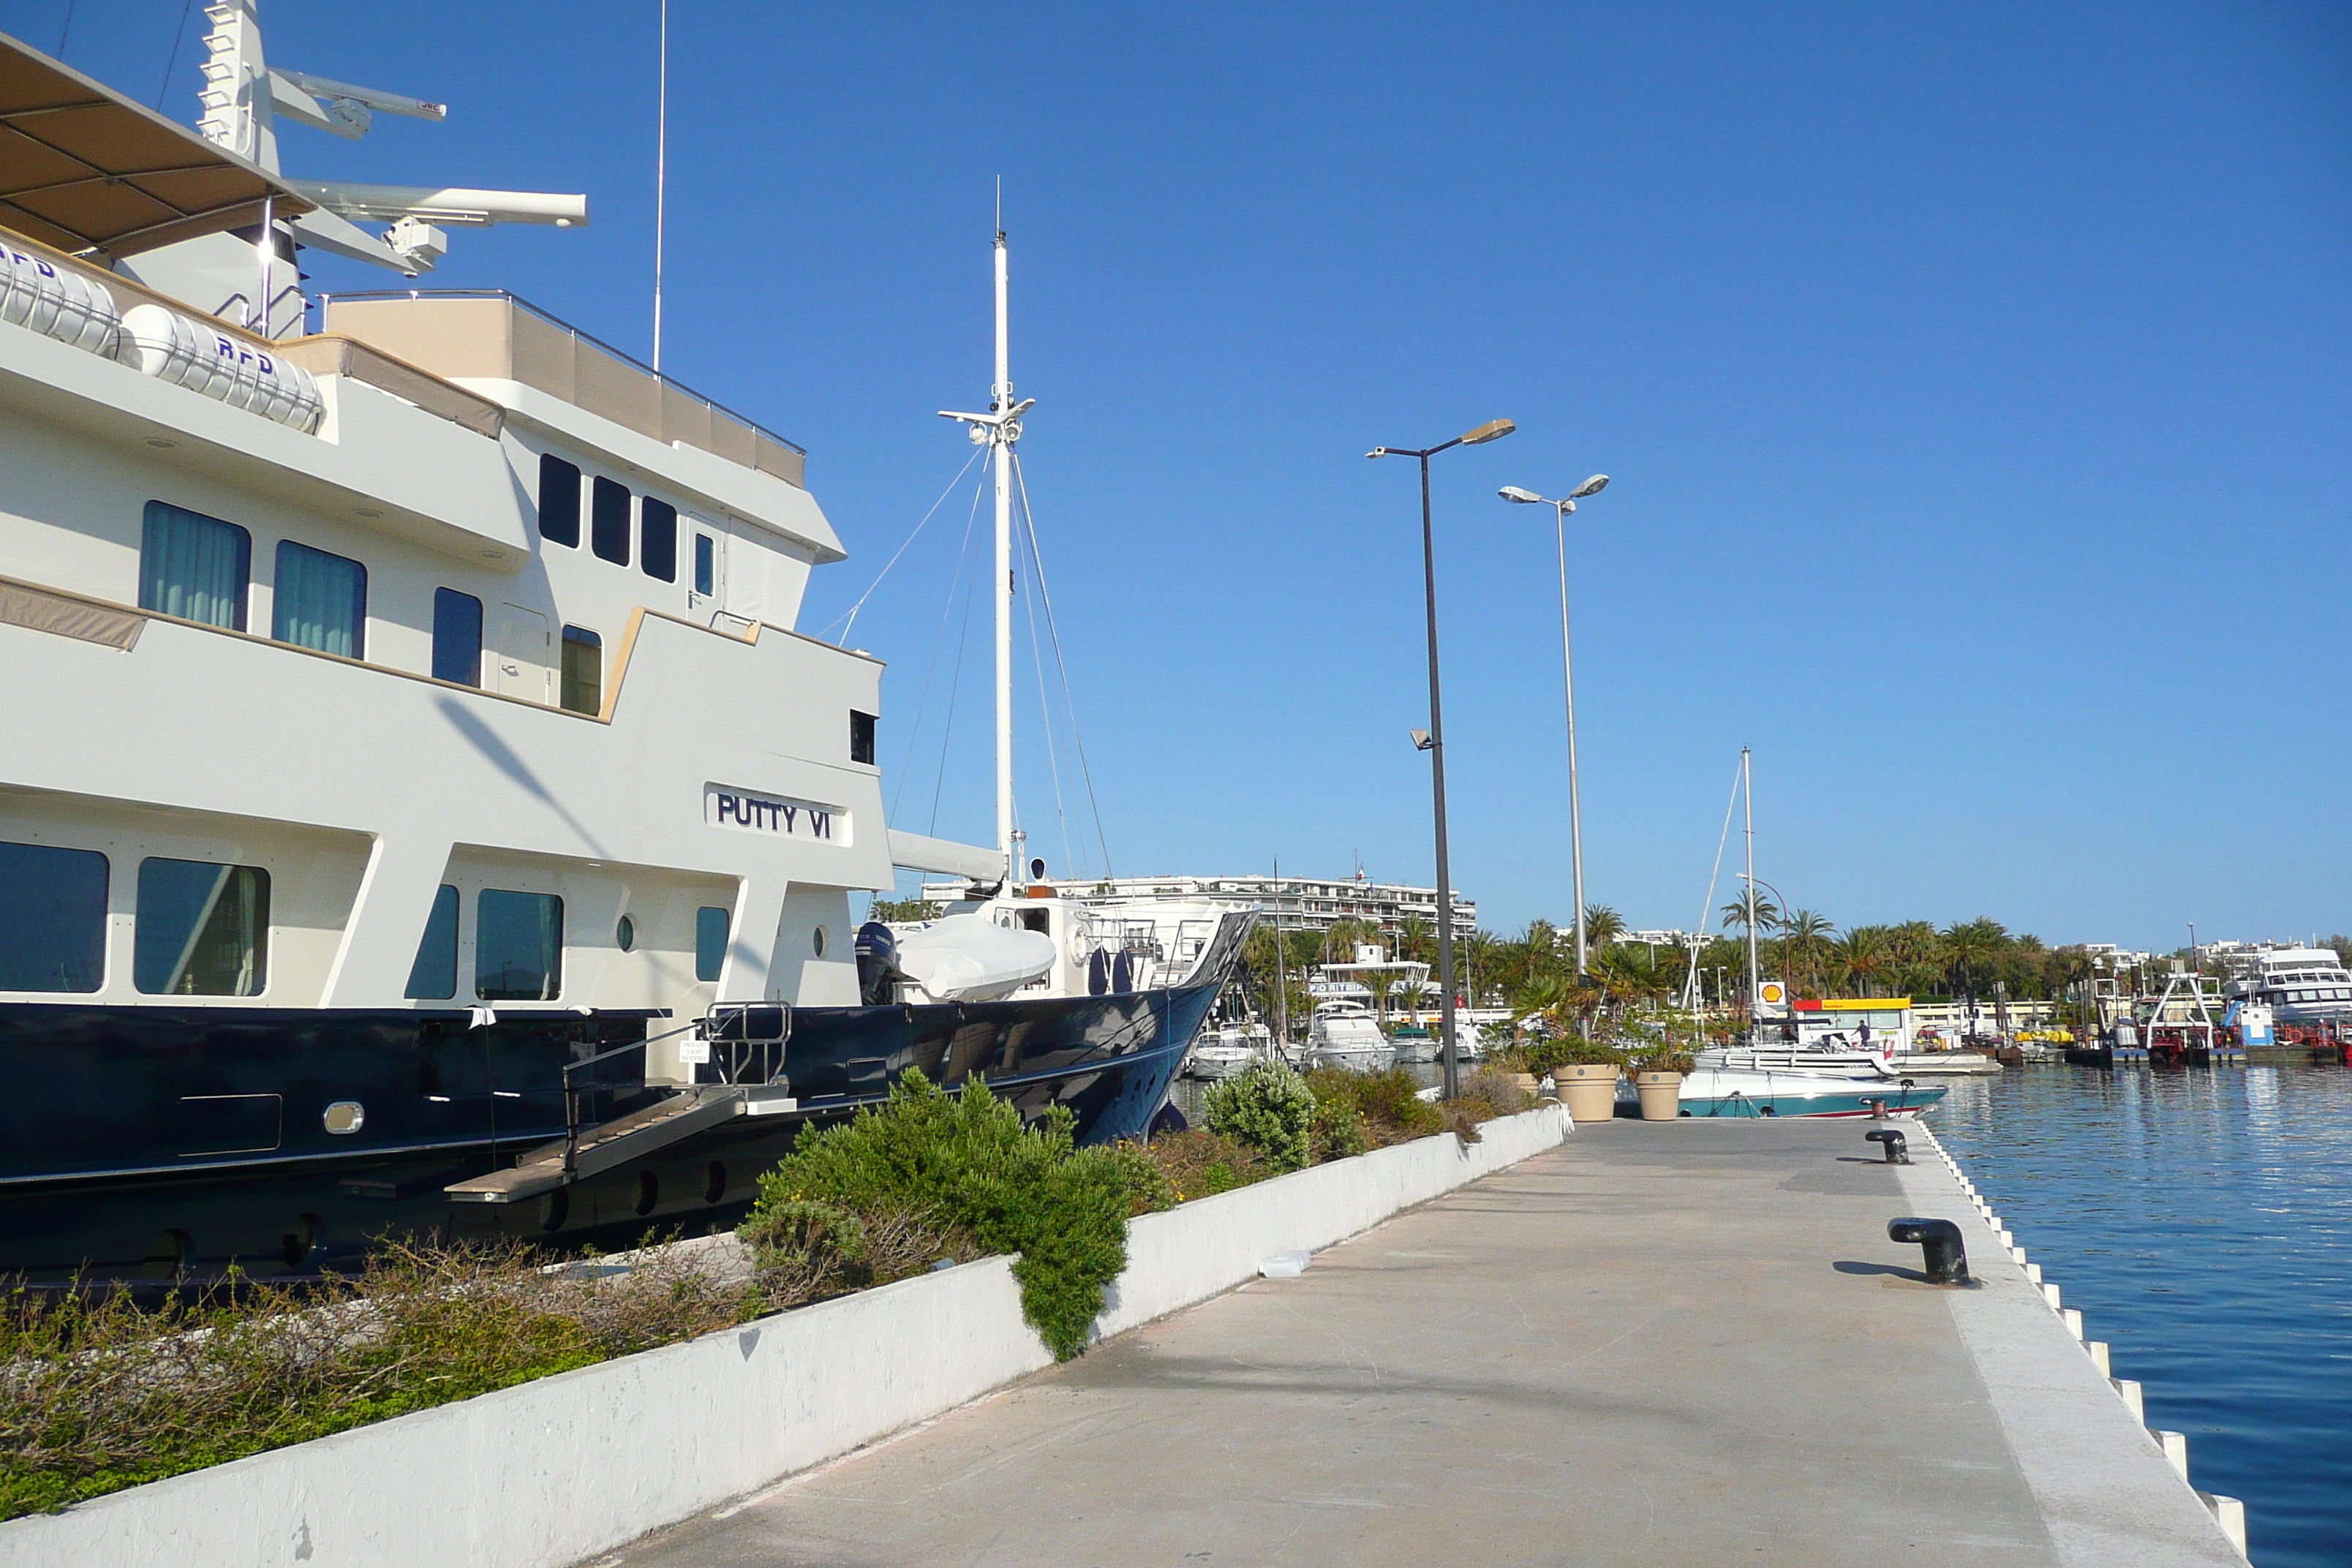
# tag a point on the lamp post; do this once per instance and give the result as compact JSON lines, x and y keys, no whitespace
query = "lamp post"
{"x":1562,"y":507}
{"x":1432,"y":740}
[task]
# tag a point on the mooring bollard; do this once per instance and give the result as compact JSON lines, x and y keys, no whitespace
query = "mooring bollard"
{"x":1898,"y":1151}
{"x":1947,"y":1260}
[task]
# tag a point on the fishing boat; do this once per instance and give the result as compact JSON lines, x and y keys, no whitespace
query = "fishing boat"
{"x":420,"y":811}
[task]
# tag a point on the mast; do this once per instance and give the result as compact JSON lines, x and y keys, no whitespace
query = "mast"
{"x":1006,"y":432}
{"x":1747,"y":793}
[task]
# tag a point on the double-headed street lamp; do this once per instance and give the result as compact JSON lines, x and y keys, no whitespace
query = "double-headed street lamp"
{"x":1432,"y":740}
{"x":1591,"y":487}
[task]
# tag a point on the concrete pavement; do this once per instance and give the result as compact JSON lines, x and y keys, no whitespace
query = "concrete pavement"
{"x":1678,"y":1343}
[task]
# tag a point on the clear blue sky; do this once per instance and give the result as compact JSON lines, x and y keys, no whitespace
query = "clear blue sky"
{"x":1977,"y":387}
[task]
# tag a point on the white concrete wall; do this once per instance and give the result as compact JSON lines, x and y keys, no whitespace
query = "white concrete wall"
{"x":558,"y":1470}
{"x":1193,"y":1252}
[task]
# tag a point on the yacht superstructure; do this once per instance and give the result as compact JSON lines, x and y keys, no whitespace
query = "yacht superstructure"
{"x":421,"y":811}
{"x":2299,"y":984}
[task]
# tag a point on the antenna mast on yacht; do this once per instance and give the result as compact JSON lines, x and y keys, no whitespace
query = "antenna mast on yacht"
{"x":1000,"y":427}
{"x":1747,"y":793}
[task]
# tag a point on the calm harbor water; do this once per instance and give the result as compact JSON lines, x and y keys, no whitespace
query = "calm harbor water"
{"x":2202,"y":1222}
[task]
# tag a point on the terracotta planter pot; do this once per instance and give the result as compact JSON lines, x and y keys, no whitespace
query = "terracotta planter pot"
{"x":1661,"y":1094}
{"x":1589,"y":1090}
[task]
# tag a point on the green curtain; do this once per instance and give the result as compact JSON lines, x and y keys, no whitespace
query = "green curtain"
{"x":320,"y":601}
{"x":194,"y":566}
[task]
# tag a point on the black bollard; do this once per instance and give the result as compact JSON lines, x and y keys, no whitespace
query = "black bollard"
{"x":1899,"y":1148}
{"x":1947,"y":1260}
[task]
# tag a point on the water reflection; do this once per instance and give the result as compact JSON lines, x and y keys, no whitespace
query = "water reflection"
{"x":2203,"y":1221}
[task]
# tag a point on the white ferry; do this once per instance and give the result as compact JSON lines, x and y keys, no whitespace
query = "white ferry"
{"x":419,"y":811}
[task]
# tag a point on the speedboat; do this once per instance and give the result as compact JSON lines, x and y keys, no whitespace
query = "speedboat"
{"x":1414,"y":1043}
{"x":1723,"y":1091}
{"x":1230,"y":1053}
{"x":1346,"y":1035}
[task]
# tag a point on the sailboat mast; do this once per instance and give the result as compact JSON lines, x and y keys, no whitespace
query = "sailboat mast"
{"x":1006,"y":431}
{"x":1747,"y":794}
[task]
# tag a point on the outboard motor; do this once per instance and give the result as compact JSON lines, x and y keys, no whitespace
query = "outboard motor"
{"x":878,"y":965}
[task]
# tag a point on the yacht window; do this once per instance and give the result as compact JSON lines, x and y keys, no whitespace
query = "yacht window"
{"x":457,"y":638}
{"x":203,"y":928}
{"x":320,"y":601}
{"x":559,"y":501}
{"x":194,"y":566}
{"x":608,"y":520}
{"x":657,"y":539}
{"x":433,"y":975}
{"x":52,"y":918}
{"x":861,"y":736}
{"x":706,"y":563}
{"x":583,"y":671}
{"x":518,"y":946}
{"x":709,"y":942}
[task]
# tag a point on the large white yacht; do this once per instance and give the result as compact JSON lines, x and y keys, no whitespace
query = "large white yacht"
{"x":419,"y":810}
{"x":2299,"y":984}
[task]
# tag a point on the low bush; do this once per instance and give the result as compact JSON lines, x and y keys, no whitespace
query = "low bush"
{"x":1338,"y":1128}
{"x":102,"y":1392}
{"x":967,"y":1165}
{"x":1270,"y":1108}
{"x":1200,"y":1163}
{"x":1388,"y":1104}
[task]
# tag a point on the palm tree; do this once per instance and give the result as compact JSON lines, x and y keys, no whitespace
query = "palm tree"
{"x":1971,"y":948}
{"x":1767,"y":914}
{"x":1804,"y":930}
{"x":1603,"y":925}
{"x":1860,"y":955}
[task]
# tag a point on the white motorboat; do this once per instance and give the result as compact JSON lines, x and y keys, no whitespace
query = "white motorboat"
{"x":2299,"y":984}
{"x":1346,"y":1035}
{"x":1230,"y":1052}
{"x":1711,"y":1091}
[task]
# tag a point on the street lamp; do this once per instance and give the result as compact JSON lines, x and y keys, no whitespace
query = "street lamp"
{"x":1433,"y":743}
{"x":1591,"y":487}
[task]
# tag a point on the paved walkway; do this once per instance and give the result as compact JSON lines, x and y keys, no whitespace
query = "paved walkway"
{"x":1662,"y":1343}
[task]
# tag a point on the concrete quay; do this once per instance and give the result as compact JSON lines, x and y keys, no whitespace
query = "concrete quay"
{"x":1660,"y":1342}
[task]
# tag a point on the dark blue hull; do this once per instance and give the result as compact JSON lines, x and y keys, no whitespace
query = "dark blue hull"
{"x":150,"y":1141}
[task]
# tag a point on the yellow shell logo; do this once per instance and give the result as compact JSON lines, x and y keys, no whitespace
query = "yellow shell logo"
{"x":1773,"y":992}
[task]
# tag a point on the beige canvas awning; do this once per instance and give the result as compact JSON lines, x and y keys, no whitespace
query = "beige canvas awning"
{"x":82,"y":168}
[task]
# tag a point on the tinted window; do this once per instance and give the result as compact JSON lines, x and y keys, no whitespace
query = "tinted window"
{"x":709,"y":942}
{"x":320,"y":601}
{"x":583,"y":671}
{"x":706,"y":562}
{"x":457,"y":638}
{"x":434,"y":973}
{"x":608,"y":520}
{"x":203,"y":928}
{"x":518,"y":946}
{"x":194,"y":566}
{"x":52,"y":918}
{"x":559,"y":501}
{"x":861,"y":736}
{"x":657,"y":539}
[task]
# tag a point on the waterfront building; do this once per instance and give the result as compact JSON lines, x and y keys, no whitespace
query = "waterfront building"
{"x":1298,"y":903}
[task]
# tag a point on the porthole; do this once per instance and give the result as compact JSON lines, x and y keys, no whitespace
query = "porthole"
{"x":344,"y":1117}
{"x":625,"y":934}
{"x":818,"y":941}
{"x":304,"y":1241}
{"x":168,"y":1254}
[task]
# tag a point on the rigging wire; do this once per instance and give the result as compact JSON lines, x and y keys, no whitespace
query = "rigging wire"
{"x":848,"y":618}
{"x":171,"y":61}
{"x":930,"y":670}
{"x":963,"y":640}
{"x":1054,"y":632}
{"x":1045,"y":708}
{"x":1708,"y":911}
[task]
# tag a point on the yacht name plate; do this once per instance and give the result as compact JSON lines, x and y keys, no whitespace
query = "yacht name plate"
{"x":749,"y":811}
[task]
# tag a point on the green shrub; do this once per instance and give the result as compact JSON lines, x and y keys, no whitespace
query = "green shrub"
{"x":967,"y":1161}
{"x":1338,"y":1129}
{"x":1270,"y":1109}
